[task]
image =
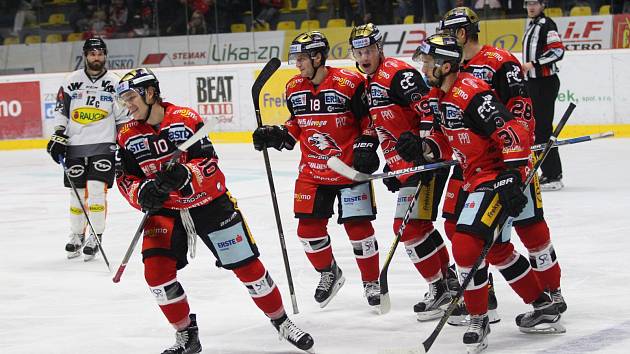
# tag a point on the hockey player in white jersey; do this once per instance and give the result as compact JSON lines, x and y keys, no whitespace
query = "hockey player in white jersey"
{"x":86,"y":117}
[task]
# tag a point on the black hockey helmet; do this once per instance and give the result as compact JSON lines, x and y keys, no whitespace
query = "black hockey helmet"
{"x":138,"y":80}
{"x":94,"y":43}
{"x":311,"y":42}
{"x":443,"y":48}
{"x":459,"y":17}
{"x":364,"y":36}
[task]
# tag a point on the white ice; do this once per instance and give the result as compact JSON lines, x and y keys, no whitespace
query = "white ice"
{"x":49,"y":304}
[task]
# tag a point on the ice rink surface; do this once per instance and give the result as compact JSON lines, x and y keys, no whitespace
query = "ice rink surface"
{"x":49,"y":304}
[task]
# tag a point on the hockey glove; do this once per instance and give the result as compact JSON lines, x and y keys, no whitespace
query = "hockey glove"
{"x":365,"y":158}
{"x":409,"y":147}
{"x":176,"y":177}
{"x":392,"y":183}
{"x":150,"y":197}
{"x":57,"y":145}
{"x":273,"y":136}
{"x":508,"y":185}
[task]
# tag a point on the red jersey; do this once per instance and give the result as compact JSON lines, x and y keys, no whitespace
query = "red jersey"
{"x":145,"y":149}
{"x":395,"y":96}
{"x":503,"y":72}
{"x":475,"y":127}
{"x":326,"y":120}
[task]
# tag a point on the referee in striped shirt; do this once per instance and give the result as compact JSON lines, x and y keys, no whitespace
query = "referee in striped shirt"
{"x":542,"y":49}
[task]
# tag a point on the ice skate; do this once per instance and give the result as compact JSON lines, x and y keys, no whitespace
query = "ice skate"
{"x":544,"y":319}
{"x":372,"y":292}
{"x":289,"y":331}
{"x":73,"y":247}
{"x":551,"y":184}
{"x":434,"y":302}
{"x":558,"y":300}
{"x":476,"y":336}
{"x":460,"y":316}
{"x":90,"y":249}
{"x":330,"y":282}
{"x":186,"y":340}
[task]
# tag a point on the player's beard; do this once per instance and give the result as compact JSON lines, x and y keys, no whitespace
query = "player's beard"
{"x":95,"y":65}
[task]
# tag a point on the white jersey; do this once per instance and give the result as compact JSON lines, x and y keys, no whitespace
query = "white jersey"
{"x":87,"y":109}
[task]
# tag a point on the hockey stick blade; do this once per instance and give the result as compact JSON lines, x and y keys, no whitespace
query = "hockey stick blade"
{"x":265,"y":74}
{"x":335,"y":164}
{"x":498,"y":230}
{"x":578,"y":139}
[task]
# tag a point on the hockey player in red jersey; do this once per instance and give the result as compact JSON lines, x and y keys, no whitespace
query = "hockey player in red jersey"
{"x":503,"y":72}
{"x":394,"y":91}
{"x":329,"y":118}
{"x":493,"y":149}
{"x":186,"y":200}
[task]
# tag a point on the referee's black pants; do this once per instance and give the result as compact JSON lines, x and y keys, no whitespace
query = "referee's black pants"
{"x":543,"y":92}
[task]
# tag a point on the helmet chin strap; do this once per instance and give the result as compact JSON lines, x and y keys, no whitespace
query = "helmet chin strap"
{"x":146,"y":118}
{"x":314,"y":71}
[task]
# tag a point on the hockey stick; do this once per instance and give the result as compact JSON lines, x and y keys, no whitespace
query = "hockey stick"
{"x":200,"y":134}
{"x":335,"y":164}
{"x":382,"y":278}
{"x":87,"y":217}
{"x":265,"y":74}
{"x":500,"y":226}
{"x":578,"y":139}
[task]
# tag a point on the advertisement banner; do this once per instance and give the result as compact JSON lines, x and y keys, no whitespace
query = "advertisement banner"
{"x":595,"y":101}
{"x":20,"y":110}
{"x":505,"y":34}
{"x":273,"y":103}
{"x":216,"y":98}
{"x":585,"y":32}
{"x":211,"y":49}
{"x":621,"y":31}
{"x":398,"y":40}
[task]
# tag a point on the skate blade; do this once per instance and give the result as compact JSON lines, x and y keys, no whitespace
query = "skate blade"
{"x":459,"y":320}
{"x":477,"y":347}
{"x":336,"y":288}
{"x":377,"y":309}
{"x":72,"y":255}
{"x":429,"y":315}
{"x":544,"y":328}
{"x":402,"y":351}
{"x":493,"y":317}
{"x":88,"y":257}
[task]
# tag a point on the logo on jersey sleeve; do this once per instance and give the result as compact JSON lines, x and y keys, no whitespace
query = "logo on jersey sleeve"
{"x":486,"y":109}
{"x":484,"y":73}
{"x":87,"y":115}
{"x":387,"y":139}
{"x":322,"y":143}
{"x":178,"y":133}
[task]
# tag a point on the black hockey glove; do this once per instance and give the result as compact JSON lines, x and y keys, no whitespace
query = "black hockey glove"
{"x":176,"y":177}
{"x":409,"y":147}
{"x":392,"y":183}
{"x":365,"y":158}
{"x":57,"y":145}
{"x":150,"y":197}
{"x":273,"y":136}
{"x":508,"y":185}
